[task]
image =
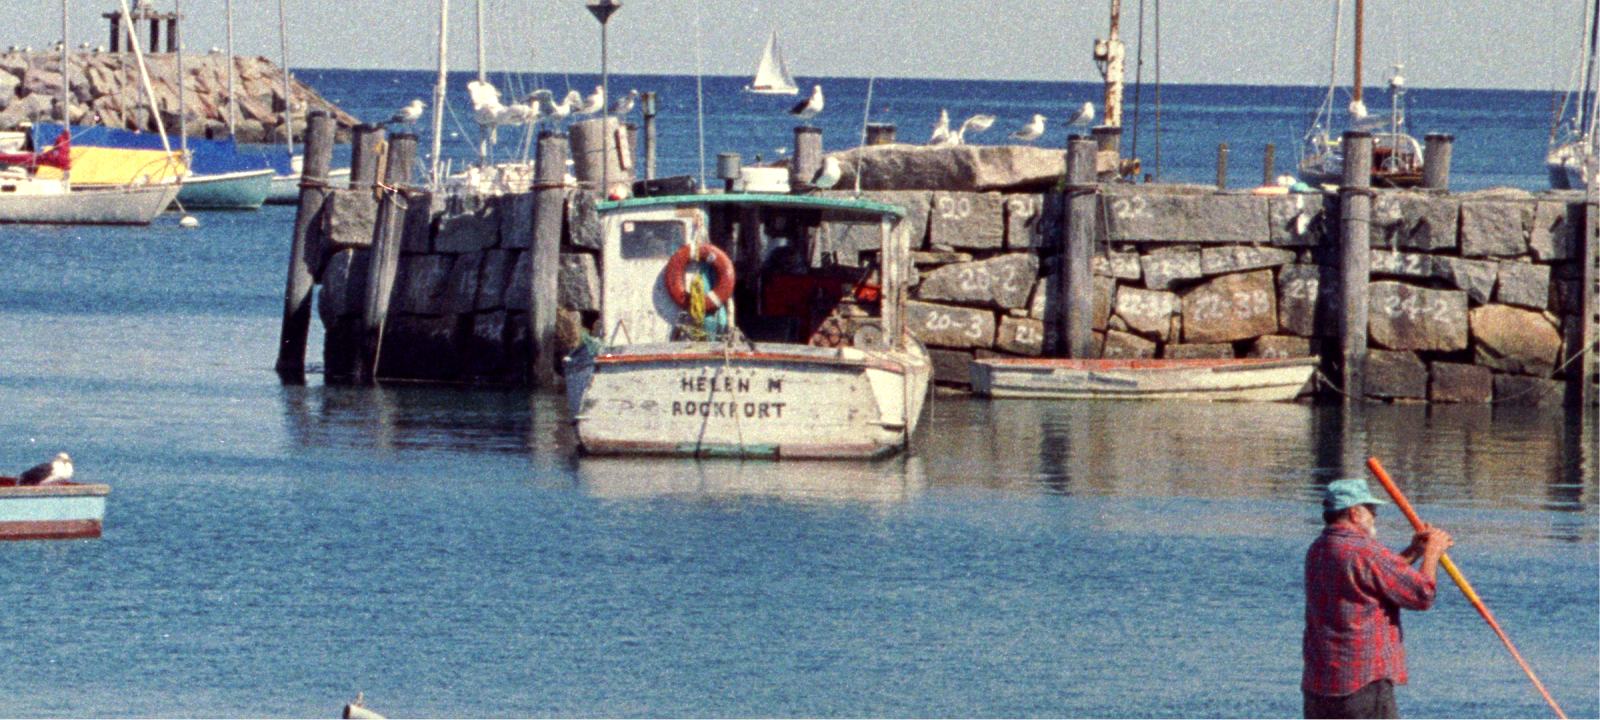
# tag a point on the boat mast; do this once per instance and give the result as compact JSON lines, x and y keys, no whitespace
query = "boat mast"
{"x":66,"y":72}
{"x":1109,"y":53}
{"x":233,"y":110}
{"x":283,"y":51}
{"x":1587,"y":123}
{"x":1355,"y":89}
{"x":144,"y":78}
{"x":483,"y":77}
{"x":438,"y":92}
{"x":183,"y":116}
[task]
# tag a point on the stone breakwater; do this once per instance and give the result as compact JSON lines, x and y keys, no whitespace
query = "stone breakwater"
{"x":105,"y":90}
{"x":1472,"y":297}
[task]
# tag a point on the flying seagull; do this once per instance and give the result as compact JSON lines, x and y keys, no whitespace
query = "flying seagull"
{"x":624,"y":105}
{"x":408,"y":114}
{"x":810,"y":107}
{"x":941,"y":129}
{"x":975,"y":124}
{"x":1084,"y":117}
{"x":828,"y":175}
{"x":58,"y":470}
{"x":1032,"y":131}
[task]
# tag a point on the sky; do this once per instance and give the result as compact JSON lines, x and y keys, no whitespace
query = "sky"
{"x":1525,"y":44}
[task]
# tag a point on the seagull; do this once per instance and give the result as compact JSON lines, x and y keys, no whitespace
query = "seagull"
{"x":1032,"y":131}
{"x":1084,"y":117}
{"x":596,"y":102}
{"x":975,"y":124}
{"x":828,"y":175}
{"x":810,"y":107}
{"x":485,"y":102}
{"x":941,"y":129}
{"x":409,"y":114}
{"x":1358,"y":110}
{"x":625,"y":104}
{"x":58,"y":470}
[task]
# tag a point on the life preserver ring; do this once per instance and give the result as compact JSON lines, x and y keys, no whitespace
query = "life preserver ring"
{"x":705,"y":252}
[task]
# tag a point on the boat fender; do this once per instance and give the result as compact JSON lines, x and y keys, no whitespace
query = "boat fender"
{"x":704,"y":252}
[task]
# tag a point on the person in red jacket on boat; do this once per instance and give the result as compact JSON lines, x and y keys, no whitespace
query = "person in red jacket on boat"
{"x":1355,"y":589}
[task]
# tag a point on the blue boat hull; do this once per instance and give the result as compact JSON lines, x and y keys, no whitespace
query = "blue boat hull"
{"x":231,"y":191}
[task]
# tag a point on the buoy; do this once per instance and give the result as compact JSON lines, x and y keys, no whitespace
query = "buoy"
{"x":189,"y":221}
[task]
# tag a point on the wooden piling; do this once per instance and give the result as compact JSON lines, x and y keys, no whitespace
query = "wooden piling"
{"x":807,"y":157}
{"x":880,"y":133}
{"x":384,"y":259}
{"x":1589,"y":305}
{"x":649,"y":101}
{"x":589,"y":154}
{"x":1108,"y":147}
{"x":365,"y":141}
{"x":1269,"y":166}
{"x":1074,"y":284}
{"x":1355,"y":209}
{"x":728,"y":170}
{"x":1436,"y":161}
{"x":291,"y":365}
{"x":1222,"y":166}
{"x":549,"y":200}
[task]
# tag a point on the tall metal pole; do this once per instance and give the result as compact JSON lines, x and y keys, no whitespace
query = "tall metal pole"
{"x":483,"y":77}
{"x":233,"y":108}
{"x":435,"y":180}
{"x":183,"y":114}
{"x":1355,"y":85}
{"x":283,"y":51}
{"x":1111,"y":53}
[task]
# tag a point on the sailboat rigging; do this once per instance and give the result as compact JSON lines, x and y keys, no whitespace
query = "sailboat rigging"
{"x":1572,"y":143}
{"x":1396,"y":155}
{"x":772,"y":73}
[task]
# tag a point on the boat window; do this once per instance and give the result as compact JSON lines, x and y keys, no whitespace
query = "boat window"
{"x":651,"y":238}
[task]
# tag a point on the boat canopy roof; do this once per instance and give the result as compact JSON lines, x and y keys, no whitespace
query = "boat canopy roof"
{"x":860,"y":207}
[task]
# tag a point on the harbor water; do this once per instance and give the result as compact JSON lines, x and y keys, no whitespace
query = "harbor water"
{"x":272,"y":550}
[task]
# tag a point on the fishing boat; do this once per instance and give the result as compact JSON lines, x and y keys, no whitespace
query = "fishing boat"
{"x":1396,"y":155}
{"x":796,"y":353}
{"x":772,"y":73}
{"x":1231,"y":379}
{"x":51,"y":512}
{"x":1572,"y":135}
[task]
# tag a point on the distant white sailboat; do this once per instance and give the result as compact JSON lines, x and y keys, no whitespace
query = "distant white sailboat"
{"x":772,"y":74}
{"x":1572,"y":140}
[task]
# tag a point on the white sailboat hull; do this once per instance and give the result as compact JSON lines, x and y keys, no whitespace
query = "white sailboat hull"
{"x":772,"y":73}
{"x":1565,"y":165}
{"x":768,"y":400}
{"x":135,"y":205}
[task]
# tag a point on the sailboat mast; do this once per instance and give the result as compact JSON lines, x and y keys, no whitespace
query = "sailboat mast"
{"x":483,"y":77}
{"x":144,"y":79}
{"x":1587,"y":123}
{"x":66,"y":72}
{"x":283,"y":51}
{"x":183,"y":115}
{"x":233,"y":110}
{"x":1111,"y":52}
{"x":1355,"y":89}
{"x":438,"y":92}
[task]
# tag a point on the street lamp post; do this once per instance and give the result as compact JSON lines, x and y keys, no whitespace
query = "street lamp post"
{"x":602,"y":11}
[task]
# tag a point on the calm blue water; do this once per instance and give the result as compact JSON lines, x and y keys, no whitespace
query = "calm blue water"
{"x":271,"y":551}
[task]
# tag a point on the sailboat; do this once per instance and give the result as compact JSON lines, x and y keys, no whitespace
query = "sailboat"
{"x":772,"y":74}
{"x":28,"y":197}
{"x":286,"y":165}
{"x":1572,"y":139}
{"x":1396,"y":156}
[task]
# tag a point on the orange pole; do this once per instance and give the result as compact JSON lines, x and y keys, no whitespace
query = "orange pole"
{"x":1461,"y":581}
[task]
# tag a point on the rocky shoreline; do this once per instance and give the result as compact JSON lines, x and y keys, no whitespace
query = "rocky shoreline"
{"x":106,"y":91}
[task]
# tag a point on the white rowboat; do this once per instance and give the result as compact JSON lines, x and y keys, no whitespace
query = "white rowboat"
{"x":1235,"y":379}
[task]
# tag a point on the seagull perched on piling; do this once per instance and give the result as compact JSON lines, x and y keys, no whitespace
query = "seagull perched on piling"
{"x":409,"y":114}
{"x":828,"y":175}
{"x":975,"y":124}
{"x":1084,"y":117}
{"x":810,"y":107}
{"x":624,"y":105}
{"x":58,"y":470}
{"x":595,"y":103}
{"x":941,"y":129}
{"x":1032,"y":131}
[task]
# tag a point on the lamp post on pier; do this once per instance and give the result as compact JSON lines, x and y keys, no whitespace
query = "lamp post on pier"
{"x":602,"y":11}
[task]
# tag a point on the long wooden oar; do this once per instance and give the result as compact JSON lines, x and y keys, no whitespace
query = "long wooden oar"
{"x":1461,"y":581}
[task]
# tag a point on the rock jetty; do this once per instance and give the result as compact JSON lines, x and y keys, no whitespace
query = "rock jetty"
{"x":106,"y":91}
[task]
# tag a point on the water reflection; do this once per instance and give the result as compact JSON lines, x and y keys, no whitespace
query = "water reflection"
{"x":885,"y":482}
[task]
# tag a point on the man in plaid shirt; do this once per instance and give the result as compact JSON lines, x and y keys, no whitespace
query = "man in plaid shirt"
{"x":1355,"y":588}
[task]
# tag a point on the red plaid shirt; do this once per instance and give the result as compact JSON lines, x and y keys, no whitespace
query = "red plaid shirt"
{"x":1355,"y":588}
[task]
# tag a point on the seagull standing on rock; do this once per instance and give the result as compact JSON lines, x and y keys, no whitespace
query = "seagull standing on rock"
{"x":1084,"y":117}
{"x":941,"y":129}
{"x":409,"y":114}
{"x":1032,"y":131}
{"x":58,"y":470}
{"x":810,"y":107}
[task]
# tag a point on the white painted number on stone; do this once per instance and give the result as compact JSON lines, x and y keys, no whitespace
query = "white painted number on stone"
{"x":1416,"y":308}
{"x":955,"y":207}
{"x":1241,"y":304}
{"x":943,"y":321}
{"x":1132,"y":207}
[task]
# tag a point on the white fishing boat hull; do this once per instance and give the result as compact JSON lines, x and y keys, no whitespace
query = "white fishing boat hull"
{"x":1244,"y":379}
{"x":764,"y":400}
{"x":131,"y":205}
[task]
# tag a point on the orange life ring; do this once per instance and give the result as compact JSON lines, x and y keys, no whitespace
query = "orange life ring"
{"x":720,"y":262}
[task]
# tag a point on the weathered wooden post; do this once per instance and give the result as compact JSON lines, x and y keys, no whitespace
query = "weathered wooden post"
{"x":549,"y":200}
{"x":1074,"y":285}
{"x":1108,"y":152}
{"x":1269,"y":165}
{"x":291,"y":364}
{"x":1591,"y":289}
{"x":649,"y":112}
{"x":1436,"y":161}
{"x":385,"y":257}
{"x":589,"y":154}
{"x":807,"y":157}
{"x":1355,"y":207}
{"x":365,"y":141}
{"x":1222,"y":166}
{"x":880,"y":133}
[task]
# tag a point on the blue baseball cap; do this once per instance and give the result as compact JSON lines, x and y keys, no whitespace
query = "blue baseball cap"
{"x":1348,"y":492}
